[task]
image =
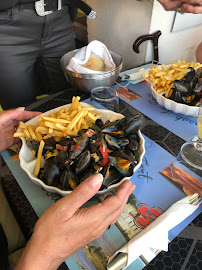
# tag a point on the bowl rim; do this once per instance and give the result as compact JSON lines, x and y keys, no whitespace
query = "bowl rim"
{"x":170,"y":104}
{"x":100,"y":74}
{"x":56,"y":189}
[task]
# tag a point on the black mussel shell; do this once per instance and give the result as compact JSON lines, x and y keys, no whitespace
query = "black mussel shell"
{"x":51,"y":142}
{"x":68,"y":180}
{"x":113,"y":177}
{"x":179,"y":86}
{"x":33,"y":144}
{"x":133,"y":145}
{"x":99,"y":123}
{"x":82,"y":146}
{"x":190,"y":75}
{"x":93,"y":147}
{"x":125,"y":172}
{"x":114,"y":126}
{"x":87,"y":173}
{"x":112,"y":142}
{"x":82,"y":163}
{"x":133,"y":124}
{"x":82,"y":131}
{"x":65,"y":141}
{"x":198,"y":87}
{"x":123,"y":142}
{"x":61,"y":158}
{"x":188,"y":99}
{"x":176,"y":96}
{"x":51,"y":172}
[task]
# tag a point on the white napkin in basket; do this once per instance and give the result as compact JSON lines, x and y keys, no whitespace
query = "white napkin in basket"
{"x":156,"y":234}
{"x":95,"y":48}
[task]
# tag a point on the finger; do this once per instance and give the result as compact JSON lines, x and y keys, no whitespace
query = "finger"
{"x":83,"y":192}
{"x":113,"y":203}
{"x":170,"y":5}
{"x":17,"y":114}
{"x":193,"y":2}
{"x":111,"y":219}
{"x":191,"y":9}
{"x":115,"y":216}
{"x":27,"y":115}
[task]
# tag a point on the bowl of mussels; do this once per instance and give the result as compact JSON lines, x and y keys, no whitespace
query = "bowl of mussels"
{"x":114,"y":148}
{"x":185,"y":94}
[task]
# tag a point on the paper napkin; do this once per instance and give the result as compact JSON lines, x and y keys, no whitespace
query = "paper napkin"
{"x":156,"y":234}
{"x":95,"y":48}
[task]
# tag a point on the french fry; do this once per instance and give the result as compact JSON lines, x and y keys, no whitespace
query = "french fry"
{"x":59,"y":126}
{"x":26,"y":132}
{"x":18,"y":134}
{"x":31,"y":131}
{"x":22,"y":125}
{"x":65,"y":122}
{"x":75,"y":120}
{"x":162,"y":79}
{"x":38,"y":135}
{"x":51,"y":119}
{"x":42,"y":130}
{"x":39,"y":156}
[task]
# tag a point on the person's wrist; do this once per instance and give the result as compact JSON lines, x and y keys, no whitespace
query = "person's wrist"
{"x":38,"y":254}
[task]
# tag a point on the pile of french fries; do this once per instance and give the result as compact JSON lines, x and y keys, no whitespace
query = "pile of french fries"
{"x":62,"y":123}
{"x":162,"y":79}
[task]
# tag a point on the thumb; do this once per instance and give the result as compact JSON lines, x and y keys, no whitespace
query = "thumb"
{"x":11,"y":114}
{"x":84,"y":192}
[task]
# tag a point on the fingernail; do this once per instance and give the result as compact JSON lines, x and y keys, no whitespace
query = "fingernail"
{"x":20,"y":109}
{"x":95,"y":180}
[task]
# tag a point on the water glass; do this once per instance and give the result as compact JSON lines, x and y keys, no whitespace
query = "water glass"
{"x":105,"y":96}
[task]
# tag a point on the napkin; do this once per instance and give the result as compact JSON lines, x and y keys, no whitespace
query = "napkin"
{"x":156,"y":234}
{"x":95,"y":48}
{"x":135,"y":75}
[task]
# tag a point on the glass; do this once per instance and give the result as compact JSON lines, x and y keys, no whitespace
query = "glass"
{"x":106,"y":97}
{"x":191,"y":151}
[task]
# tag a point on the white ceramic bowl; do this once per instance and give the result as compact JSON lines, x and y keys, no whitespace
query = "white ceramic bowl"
{"x":28,"y":161}
{"x":170,"y":104}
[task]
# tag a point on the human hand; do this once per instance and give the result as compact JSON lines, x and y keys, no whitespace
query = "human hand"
{"x":185,"y":6}
{"x":9,"y":120}
{"x":192,"y":6}
{"x":170,"y":5}
{"x":65,"y":228}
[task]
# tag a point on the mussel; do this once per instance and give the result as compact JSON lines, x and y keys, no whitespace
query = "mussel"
{"x":68,"y":180}
{"x":109,"y":148}
{"x":82,"y":163}
{"x":51,"y":172}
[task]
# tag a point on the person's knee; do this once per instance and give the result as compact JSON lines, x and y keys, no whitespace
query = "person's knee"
{"x":199,"y":53}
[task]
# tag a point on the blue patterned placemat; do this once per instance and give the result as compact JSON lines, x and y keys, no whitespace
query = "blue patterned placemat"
{"x":183,"y":126}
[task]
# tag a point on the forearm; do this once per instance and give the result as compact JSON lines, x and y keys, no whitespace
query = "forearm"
{"x":37,"y":255}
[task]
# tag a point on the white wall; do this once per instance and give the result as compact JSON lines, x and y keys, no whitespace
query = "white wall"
{"x":120,"y":22}
{"x":173,"y":46}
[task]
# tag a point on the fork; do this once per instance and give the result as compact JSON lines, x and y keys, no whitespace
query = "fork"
{"x":195,"y":199}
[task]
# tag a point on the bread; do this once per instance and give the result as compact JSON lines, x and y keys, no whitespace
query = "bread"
{"x":94,"y":63}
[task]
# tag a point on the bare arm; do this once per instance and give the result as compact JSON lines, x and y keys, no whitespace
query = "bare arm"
{"x":65,"y":228}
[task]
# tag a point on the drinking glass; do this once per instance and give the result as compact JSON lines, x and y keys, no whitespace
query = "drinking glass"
{"x":106,"y":97}
{"x":191,"y":151}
